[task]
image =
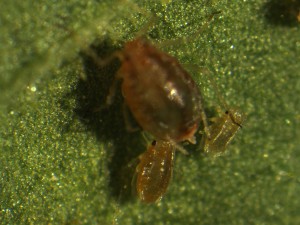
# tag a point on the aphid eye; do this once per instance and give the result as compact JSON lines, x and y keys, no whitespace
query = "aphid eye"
{"x":227,"y":112}
{"x":233,"y":119}
{"x":153,"y":143}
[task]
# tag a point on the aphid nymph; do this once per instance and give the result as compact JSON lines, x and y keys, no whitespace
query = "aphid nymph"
{"x":222,"y":131}
{"x":154,"y":172}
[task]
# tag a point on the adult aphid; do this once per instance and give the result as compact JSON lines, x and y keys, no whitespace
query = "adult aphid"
{"x":161,"y":95}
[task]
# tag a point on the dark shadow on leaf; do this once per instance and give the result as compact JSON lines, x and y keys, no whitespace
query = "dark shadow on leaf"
{"x":107,"y":122}
{"x":282,"y":12}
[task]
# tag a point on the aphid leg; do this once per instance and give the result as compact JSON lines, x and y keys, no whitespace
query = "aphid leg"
{"x":220,"y":113}
{"x":111,"y":93}
{"x":101,"y":62}
{"x":133,"y":182}
{"x":179,"y":147}
{"x":204,"y":120}
{"x":206,"y":24}
{"x":147,"y":137}
{"x":146,"y":27}
{"x":126,"y":114}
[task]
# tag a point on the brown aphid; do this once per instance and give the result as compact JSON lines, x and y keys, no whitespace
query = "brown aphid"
{"x":154,"y":172}
{"x":162,"y":96}
{"x":222,"y":131}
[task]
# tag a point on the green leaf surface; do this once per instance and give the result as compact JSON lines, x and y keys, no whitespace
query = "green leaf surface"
{"x":66,"y":159}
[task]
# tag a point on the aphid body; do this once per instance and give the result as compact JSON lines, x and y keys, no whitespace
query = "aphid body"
{"x":154,"y":171}
{"x":161,"y":95}
{"x":222,"y":131}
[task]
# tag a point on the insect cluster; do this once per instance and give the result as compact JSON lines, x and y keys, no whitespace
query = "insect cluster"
{"x":166,"y":102}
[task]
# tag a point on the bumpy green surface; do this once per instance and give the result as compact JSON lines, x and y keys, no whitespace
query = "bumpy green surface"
{"x":65,"y":159}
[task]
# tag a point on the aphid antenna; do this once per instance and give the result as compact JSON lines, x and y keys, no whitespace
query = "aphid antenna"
{"x":221,"y":100}
{"x":190,"y":38}
{"x":153,"y":19}
{"x":213,"y":82}
{"x":141,"y":33}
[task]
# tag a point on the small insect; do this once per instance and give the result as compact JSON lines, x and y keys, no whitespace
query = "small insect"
{"x":162,"y":96}
{"x":222,"y":131}
{"x":154,"y":172}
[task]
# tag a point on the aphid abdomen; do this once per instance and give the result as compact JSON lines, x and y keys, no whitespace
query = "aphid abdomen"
{"x":154,"y":171}
{"x":222,"y":132}
{"x":161,"y":95}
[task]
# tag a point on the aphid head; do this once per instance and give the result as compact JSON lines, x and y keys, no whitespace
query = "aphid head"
{"x":236,"y":116}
